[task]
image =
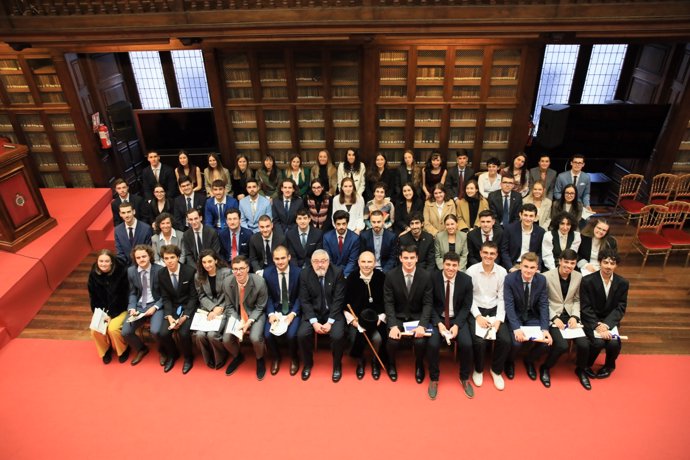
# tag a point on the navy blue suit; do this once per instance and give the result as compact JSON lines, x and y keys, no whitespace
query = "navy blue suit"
{"x":301,"y":256}
{"x":518,"y":314}
{"x":511,"y":244}
{"x":280,"y":217}
{"x":389,"y":248}
{"x":211,"y":217}
{"x":142,"y":235}
{"x":242,"y":242}
{"x":273,"y":305}
{"x":347,"y":259}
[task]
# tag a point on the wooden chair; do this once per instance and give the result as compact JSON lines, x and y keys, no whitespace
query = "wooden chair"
{"x":648,"y":240}
{"x":676,"y":216}
{"x":662,"y":187}
{"x":627,"y":205}
{"x":682,"y":191}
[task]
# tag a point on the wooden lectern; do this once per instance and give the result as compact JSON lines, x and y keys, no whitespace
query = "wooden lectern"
{"x":23,"y":213}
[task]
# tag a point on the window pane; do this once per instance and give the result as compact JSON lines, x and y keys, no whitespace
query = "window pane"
{"x":556,"y":76}
{"x":148,"y":74}
{"x":191,"y":78}
{"x":603,"y":73}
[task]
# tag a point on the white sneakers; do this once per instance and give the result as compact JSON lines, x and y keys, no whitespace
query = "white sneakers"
{"x":477,"y":378}
{"x":498,"y":381}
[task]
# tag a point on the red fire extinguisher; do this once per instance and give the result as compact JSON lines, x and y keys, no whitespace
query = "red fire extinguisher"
{"x":104,"y":135}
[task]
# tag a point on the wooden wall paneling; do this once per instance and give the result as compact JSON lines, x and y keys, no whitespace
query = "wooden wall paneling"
{"x":216,"y":86}
{"x":649,"y":73}
{"x":528,"y":84}
{"x":369,"y":91}
{"x":26,"y":70}
{"x":57,"y":151}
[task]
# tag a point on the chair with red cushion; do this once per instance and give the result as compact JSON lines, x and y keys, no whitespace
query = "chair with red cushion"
{"x":662,"y":187}
{"x":676,"y":216}
{"x":682,"y":192}
{"x":628,"y":206}
{"x":648,"y":240}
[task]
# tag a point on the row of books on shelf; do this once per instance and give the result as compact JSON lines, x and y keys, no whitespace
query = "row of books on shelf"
{"x":393,"y":56}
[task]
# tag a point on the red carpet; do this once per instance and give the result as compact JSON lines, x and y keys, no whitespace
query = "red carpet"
{"x":72,"y":406}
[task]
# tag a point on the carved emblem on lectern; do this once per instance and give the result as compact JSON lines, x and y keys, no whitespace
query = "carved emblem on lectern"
{"x":19,"y":199}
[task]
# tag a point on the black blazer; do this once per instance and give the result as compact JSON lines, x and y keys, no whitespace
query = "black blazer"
{"x":453,"y":179}
{"x":462,"y":299}
{"x":141,"y":208}
{"x":425,"y":249}
{"x":301,"y":256}
{"x":357,"y":293}
{"x":285,"y":220}
{"x":475,"y":241}
{"x":402,"y":217}
{"x":595,"y":307}
{"x":242,"y":242}
{"x":180,"y":209}
{"x":166,"y":177}
{"x":512,"y":243}
{"x":154,"y":212}
{"x":400,"y":306}
{"x":257,"y":249}
{"x":209,"y":240}
{"x":389,"y":248}
{"x":388,"y":177}
{"x":496,"y":205}
{"x":185,"y":295}
{"x":584,"y":252}
{"x":310,"y":294}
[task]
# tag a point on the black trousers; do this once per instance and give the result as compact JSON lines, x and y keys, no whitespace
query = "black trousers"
{"x":465,"y":350}
{"x":422,"y":348}
{"x":290,"y":337}
{"x":536,"y":349}
{"x":613,"y":349}
{"x":305,"y":338}
{"x":378,"y":338}
{"x":184,"y":335}
{"x":501,"y":348}
{"x":560,"y":346}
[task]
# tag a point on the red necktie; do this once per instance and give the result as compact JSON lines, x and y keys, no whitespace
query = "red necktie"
{"x":340,"y":244}
{"x":243,"y":313}
{"x":486,"y":237}
{"x":233,"y":249}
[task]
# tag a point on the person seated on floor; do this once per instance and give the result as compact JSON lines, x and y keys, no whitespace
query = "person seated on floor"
{"x":342,"y":244}
{"x":189,"y":199}
{"x":217,"y":204}
{"x":564,"y":310}
{"x":130,"y":233}
{"x":408,"y":296}
{"x":286,"y":205}
{"x":122,"y":195}
{"x":603,"y":300}
{"x":521,"y":237}
{"x":283,"y":304}
{"x":595,"y":238}
{"x":488,"y":310}
{"x":364,"y":293}
{"x":234,"y":239}
{"x":107,"y":286}
{"x":262,"y":244}
{"x":380,"y":242}
{"x":562,"y":235}
{"x":303,"y":239}
{"x":487,"y":231}
{"x":527,"y":304}
{"x":197,"y":238}
{"x":164,"y":235}
{"x":247,"y":296}
{"x":180,"y":301}
{"x":322,"y":294}
{"x":144,"y":302}
{"x":253,"y":206}
{"x":420,"y":239}
{"x":452,"y":302}
{"x":211,"y":274}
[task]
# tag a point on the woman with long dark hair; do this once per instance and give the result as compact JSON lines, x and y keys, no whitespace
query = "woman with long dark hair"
{"x":185,"y":168}
{"x":469,"y":207}
{"x":216,"y":171}
{"x":160,"y":203}
{"x":267,"y":177}
{"x":595,"y":238}
{"x":434,"y":173}
{"x":408,"y":204}
{"x":544,"y":205}
{"x":352,"y":202}
{"x":437,"y":209}
{"x":450,"y":240}
{"x":379,"y":172}
{"x":240,"y":173}
{"x":409,"y":172}
{"x":382,"y":203}
{"x":353,"y":168}
{"x":319,"y":204}
{"x":326,"y":172}
{"x":517,"y":169}
{"x":298,"y":174}
{"x":562,"y":235}
{"x":568,"y":202}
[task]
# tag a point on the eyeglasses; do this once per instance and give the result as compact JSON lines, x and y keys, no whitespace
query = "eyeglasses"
{"x":240,"y":269}
{"x":578,"y":162}
{"x":569,"y":193}
{"x":319,"y":261}
{"x":316,"y":187}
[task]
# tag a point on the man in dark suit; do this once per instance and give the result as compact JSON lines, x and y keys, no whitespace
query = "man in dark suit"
{"x":408,"y":295}
{"x":423,"y":241}
{"x":197,"y":237}
{"x":487,"y":231}
{"x":286,"y":205}
{"x":262,"y":244}
{"x":188,"y":200}
{"x":216,"y":205}
{"x":122,"y":195}
{"x":341,"y":244}
{"x":233,"y":238}
{"x":322,"y":293}
{"x":303,"y":239}
{"x":576,"y":176}
{"x":603,"y":300}
{"x":527,"y":304}
{"x":458,"y":176}
{"x":520,"y":235}
{"x":499,"y":198}
{"x":545,"y":174}
{"x":130,"y":233}
{"x":282,"y":283}
{"x":452,"y":302}
{"x":380,"y":242}
{"x":180,"y":301}
{"x":158,"y":173}
{"x":144,"y":298}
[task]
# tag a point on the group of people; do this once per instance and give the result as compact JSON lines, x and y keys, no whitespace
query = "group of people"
{"x":279,"y":268}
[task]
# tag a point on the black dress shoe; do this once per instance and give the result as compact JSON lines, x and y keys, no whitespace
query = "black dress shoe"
{"x":360,"y":369}
{"x":531,"y":371}
{"x":140,"y":355}
{"x":392,"y":372}
{"x":169,"y":364}
{"x":260,"y":369}
{"x":584,"y":380}
{"x":590,"y":373}
{"x":375,"y":369}
{"x":306,"y":373}
{"x":211,"y":364}
{"x":275,"y":366}
{"x":164,"y":359}
{"x":124,"y":356}
{"x":545,"y":376}
{"x":419,"y":374}
{"x":337,"y":373}
{"x":604,"y":372}
{"x":234,"y":364}
{"x":294,"y":367}
{"x":188,"y":363}
{"x":108,"y":356}
{"x":510,"y":370}
{"x":221,"y":363}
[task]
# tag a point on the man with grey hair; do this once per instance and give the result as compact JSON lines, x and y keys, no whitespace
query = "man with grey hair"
{"x":322,"y":293}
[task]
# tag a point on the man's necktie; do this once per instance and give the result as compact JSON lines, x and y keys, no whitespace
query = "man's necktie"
{"x":486,"y":236}
{"x":446,"y":308}
{"x":131,"y":236}
{"x":506,"y":211}
{"x":243,"y":312}
{"x":267,"y":250}
{"x":461,"y":184}
{"x":284,"y":295}
{"x":322,"y":282}
{"x":144,"y":288}
{"x":303,"y":238}
{"x":173,"y":278}
{"x":408,"y":283}
{"x":340,"y":244}
{"x":199,"y":245}
{"x":253,"y":206}
{"x":220,"y":214}
{"x":156,"y":172}
{"x":526,"y":299}
{"x":189,"y":203}
{"x":287,"y":206}
{"x":233,"y":247}
{"x":575,"y":181}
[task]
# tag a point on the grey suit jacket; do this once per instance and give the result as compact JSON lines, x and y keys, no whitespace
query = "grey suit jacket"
{"x":157,"y":243}
{"x":571,"y":302}
{"x":203,"y":288}
{"x":535,"y":175}
{"x":442,"y":248}
{"x":255,"y":297}
{"x":135,"y":288}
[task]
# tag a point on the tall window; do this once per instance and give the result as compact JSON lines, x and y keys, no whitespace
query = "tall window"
{"x":148,"y":75}
{"x":191,"y":78}
{"x":556,"y":76}
{"x":603,"y":73}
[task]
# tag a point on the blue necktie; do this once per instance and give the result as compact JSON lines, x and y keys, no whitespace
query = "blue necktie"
{"x":506,"y":211}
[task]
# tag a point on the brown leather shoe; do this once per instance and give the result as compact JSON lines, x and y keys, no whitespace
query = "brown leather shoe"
{"x":140,"y":355}
{"x":275,"y":366}
{"x":294,"y":367}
